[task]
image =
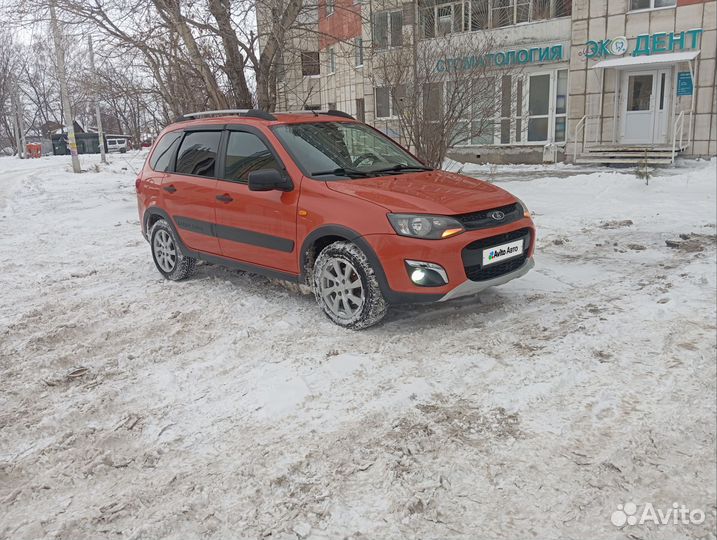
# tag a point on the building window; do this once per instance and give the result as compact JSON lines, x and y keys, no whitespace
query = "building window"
{"x":651,"y":4}
{"x":332,"y":105}
{"x":383,"y":102}
{"x":310,"y":64}
{"x":442,"y":18}
{"x":433,"y":102}
{"x":388,"y":101}
{"x":332,"y":60}
{"x":330,"y":7}
{"x":358,"y":49}
{"x":388,"y":29}
{"x":360,"y":110}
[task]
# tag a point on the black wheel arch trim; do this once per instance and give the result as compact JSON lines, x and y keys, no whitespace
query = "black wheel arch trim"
{"x":391,"y":296}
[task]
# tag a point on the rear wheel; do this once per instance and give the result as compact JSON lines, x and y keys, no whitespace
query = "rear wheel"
{"x":168,"y":258}
{"x":346,"y":287}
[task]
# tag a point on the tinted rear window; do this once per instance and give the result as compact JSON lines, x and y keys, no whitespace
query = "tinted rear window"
{"x":162,"y":156}
{"x":198,"y":153}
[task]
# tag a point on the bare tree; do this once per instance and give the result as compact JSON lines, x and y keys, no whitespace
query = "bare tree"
{"x":441,"y":91}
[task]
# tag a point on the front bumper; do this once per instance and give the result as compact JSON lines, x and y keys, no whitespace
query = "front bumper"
{"x":393,"y":250}
{"x":469,"y":288}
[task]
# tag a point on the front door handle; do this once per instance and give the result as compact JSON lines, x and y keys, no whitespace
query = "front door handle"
{"x":170,"y":188}
{"x":225,"y":198}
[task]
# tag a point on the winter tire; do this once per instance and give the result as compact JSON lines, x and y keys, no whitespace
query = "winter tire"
{"x":168,"y":258}
{"x":346,"y":287}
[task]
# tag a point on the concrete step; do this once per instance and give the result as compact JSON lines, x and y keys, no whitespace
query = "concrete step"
{"x":607,"y":160}
{"x":650,"y":154}
{"x":605,"y":148}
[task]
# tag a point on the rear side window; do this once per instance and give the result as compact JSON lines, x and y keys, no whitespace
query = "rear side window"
{"x":246,"y":153}
{"x":198,"y":153}
{"x":162,"y":156}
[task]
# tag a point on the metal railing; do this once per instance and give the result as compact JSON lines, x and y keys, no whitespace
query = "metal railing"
{"x":679,"y":124}
{"x":581,"y":128}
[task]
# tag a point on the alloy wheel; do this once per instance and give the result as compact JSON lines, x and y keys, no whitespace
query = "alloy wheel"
{"x":341,"y":288}
{"x":165,"y":252}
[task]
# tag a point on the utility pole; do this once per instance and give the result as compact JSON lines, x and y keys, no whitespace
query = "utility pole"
{"x":60,"y":55}
{"x":19,"y":126}
{"x":100,"y":133}
{"x":18,"y":142}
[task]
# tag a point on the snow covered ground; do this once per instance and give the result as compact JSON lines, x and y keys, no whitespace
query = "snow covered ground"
{"x":227,"y":406}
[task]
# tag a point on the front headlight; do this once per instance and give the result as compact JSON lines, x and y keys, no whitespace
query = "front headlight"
{"x":423,"y":226}
{"x":526,"y":212}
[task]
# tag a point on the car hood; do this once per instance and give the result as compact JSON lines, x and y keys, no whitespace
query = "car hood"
{"x":430,"y":192}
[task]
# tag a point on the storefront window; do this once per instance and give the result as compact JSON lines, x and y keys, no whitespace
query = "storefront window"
{"x":538,"y":107}
{"x":530,"y":108}
{"x":561,"y":104}
{"x":505,"y":108}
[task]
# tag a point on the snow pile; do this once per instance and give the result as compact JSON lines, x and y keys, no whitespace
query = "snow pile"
{"x":228,"y":406}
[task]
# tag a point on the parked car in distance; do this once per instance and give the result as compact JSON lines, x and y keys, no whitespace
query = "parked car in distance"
{"x":117,"y":145}
{"x":319,"y":198}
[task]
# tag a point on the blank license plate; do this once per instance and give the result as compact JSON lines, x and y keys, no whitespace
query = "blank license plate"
{"x":502,"y":252}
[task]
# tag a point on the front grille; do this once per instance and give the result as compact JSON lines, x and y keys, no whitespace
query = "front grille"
{"x":476,"y":273}
{"x":472,"y":256}
{"x":483,"y":219}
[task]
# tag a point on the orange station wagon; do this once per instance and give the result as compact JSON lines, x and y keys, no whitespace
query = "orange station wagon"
{"x":319,"y":198}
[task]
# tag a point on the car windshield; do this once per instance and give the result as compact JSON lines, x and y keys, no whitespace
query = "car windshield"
{"x":340,"y":150}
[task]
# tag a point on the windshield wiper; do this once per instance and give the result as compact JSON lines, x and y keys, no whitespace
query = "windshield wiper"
{"x":399,"y":167}
{"x":343,"y":171}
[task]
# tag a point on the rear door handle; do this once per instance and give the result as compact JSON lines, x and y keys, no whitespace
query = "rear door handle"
{"x":225,"y":198}
{"x":170,"y":188}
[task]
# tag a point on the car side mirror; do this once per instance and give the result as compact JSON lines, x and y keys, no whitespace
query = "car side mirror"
{"x":268,"y":180}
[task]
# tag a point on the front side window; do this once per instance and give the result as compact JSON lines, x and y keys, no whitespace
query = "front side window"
{"x":246,"y":153}
{"x":355,"y":149}
{"x":162,"y":155}
{"x":330,"y":6}
{"x":198,"y":153}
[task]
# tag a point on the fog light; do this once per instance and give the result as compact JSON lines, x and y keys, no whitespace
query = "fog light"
{"x":425,"y":274}
{"x":418,"y":275}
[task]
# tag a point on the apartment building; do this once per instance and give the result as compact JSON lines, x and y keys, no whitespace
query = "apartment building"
{"x":594,"y":80}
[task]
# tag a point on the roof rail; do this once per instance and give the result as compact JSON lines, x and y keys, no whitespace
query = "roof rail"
{"x":257,"y":113}
{"x":317,"y":112}
{"x":251,"y":113}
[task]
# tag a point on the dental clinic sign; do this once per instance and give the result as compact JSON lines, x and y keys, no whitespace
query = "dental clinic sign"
{"x":646,"y":44}
{"x":528,"y":55}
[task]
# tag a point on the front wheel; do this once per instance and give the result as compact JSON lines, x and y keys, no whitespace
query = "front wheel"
{"x":346,"y":287}
{"x":167,"y":256}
